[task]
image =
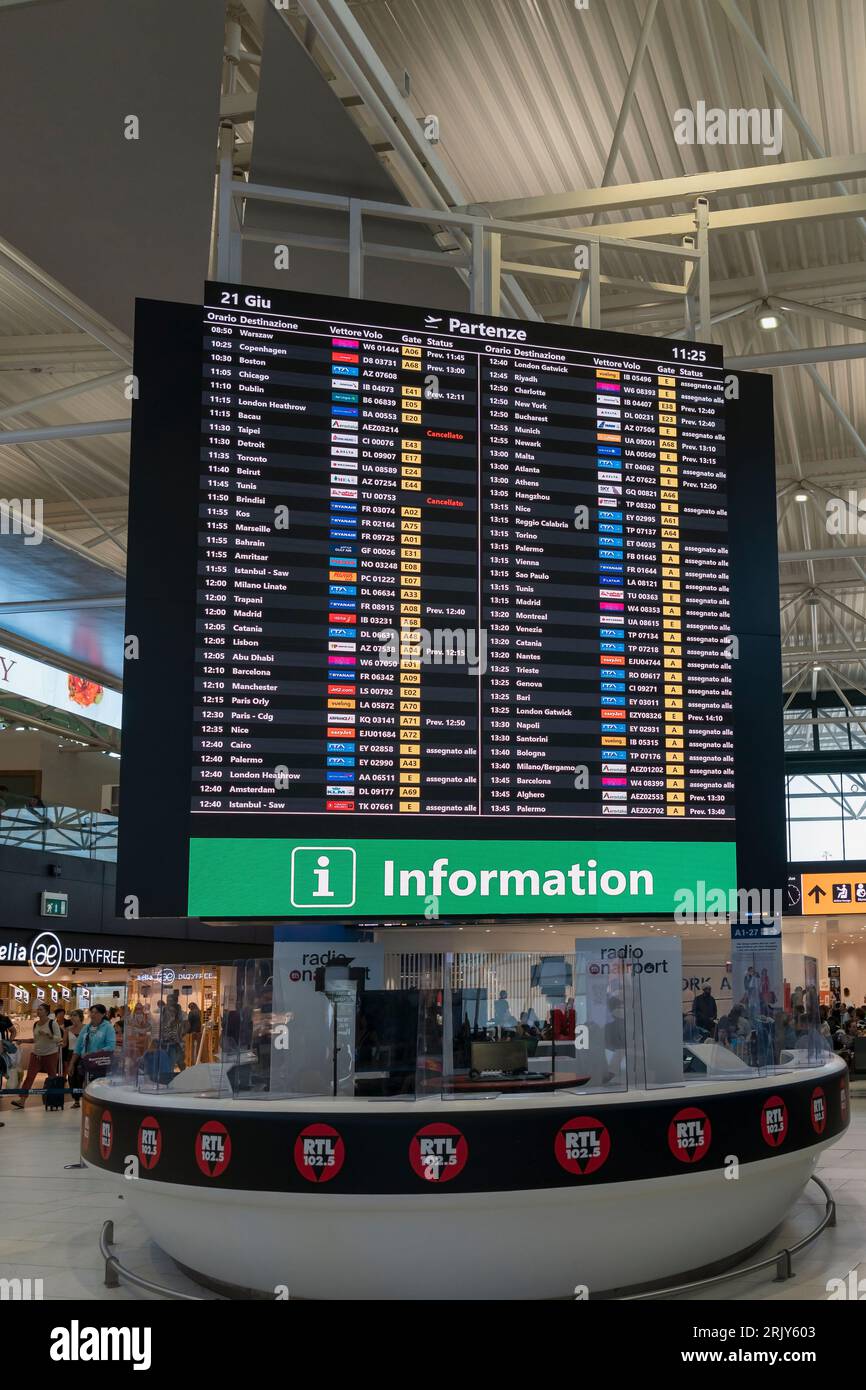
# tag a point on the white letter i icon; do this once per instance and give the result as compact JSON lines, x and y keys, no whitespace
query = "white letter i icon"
{"x":323,"y":878}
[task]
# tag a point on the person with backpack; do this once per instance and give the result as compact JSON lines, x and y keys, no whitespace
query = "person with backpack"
{"x":45,"y":1054}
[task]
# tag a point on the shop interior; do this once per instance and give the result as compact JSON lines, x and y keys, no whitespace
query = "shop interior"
{"x":127,"y":996}
{"x":21,"y":992}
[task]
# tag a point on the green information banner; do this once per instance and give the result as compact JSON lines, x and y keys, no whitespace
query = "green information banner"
{"x":411,"y":878}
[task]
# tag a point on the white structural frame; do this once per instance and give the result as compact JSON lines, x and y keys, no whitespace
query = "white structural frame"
{"x":482,"y":262}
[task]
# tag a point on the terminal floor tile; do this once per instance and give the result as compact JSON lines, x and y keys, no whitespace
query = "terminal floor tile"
{"x":50,"y":1218}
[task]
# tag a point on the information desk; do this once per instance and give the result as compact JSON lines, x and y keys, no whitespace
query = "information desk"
{"x":506,"y":1196}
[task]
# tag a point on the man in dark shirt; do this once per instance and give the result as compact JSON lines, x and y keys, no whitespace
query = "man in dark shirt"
{"x":705,"y":1010}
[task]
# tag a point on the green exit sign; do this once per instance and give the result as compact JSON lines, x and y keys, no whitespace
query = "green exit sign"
{"x":55,"y":905}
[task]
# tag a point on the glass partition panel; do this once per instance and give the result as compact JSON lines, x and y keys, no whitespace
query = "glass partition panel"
{"x":648,"y":1003}
{"x":526,"y":1023}
{"x":172,"y":1027}
{"x":602,"y":1018}
{"x":769,"y":1025}
{"x":804,"y":1035}
{"x":743,"y":1042}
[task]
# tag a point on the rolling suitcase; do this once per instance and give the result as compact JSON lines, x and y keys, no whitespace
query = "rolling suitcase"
{"x":53,"y":1097}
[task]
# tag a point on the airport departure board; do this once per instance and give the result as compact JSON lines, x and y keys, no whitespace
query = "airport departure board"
{"x":446,"y":616}
{"x":451,"y":571}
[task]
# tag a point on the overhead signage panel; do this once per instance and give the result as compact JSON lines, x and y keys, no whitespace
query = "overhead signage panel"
{"x":436,"y":585}
{"x":834,"y":893}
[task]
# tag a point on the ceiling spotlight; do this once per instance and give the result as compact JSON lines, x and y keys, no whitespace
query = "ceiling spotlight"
{"x":766,"y":316}
{"x":801,"y":496}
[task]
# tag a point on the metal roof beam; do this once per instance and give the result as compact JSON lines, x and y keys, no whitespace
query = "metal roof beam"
{"x":824,"y":282}
{"x":64,"y":605}
{"x":813,"y":311}
{"x":797,"y":357}
{"x":721,"y":220}
{"x":782,"y":91}
{"x":37,"y":403}
{"x":792,"y":656}
{"x":840,"y":552}
{"x":829,"y":470}
{"x":356,"y":57}
{"x":16,"y":268}
{"x":580,"y":291}
{"x":238,"y":107}
{"x":65,"y":431}
{"x":827,"y":395}
{"x":61,"y":352}
{"x":16,"y":643}
{"x":761,"y":177}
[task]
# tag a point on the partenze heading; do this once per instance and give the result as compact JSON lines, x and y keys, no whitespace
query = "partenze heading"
{"x":486,"y":330}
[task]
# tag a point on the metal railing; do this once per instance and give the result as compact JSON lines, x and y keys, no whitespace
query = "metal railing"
{"x":782,"y":1259}
{"x":116,"y":1273}
{"x":485,"y":251}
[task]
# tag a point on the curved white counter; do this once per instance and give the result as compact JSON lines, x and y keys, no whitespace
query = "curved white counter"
{"x":526,"y":1196}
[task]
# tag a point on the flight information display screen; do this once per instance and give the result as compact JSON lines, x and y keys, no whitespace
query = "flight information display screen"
{"x":451,"y":571}
{"x":444,"y":616}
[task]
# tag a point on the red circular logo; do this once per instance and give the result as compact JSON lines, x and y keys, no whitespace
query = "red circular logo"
{"x":438,"y":1152}
{"x":149,"y":1143}
{"x":774,"y":1121}
{"x":582,"y":1145}
{"x":689,"y":1135}
{"x":319,"y":1153}
{"x":106,"y":1134}
{"x":213,"y":1149}
{"x":843,"y":1097}
{"x":818,"y":1110}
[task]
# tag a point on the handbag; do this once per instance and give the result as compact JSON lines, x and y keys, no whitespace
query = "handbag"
{"x":96,"y":1064}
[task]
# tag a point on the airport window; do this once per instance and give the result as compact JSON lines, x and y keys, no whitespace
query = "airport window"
{"x":826,"y":816}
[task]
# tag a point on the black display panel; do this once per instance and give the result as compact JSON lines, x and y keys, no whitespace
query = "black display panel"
{"x":432,"y":576}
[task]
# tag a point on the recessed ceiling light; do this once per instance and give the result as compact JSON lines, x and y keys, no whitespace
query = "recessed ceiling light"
{"x":801,"y":496}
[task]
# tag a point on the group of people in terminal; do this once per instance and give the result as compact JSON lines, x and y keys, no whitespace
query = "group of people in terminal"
{"x":68,"y":1050}
{"x":759,"y":1032}
{"x":65,"y":1050}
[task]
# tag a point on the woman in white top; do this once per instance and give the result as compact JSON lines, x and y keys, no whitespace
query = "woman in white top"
{"x":45,"y":1056}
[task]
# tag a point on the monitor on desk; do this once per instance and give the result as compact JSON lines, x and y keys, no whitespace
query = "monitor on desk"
{"x":509,"y":1056}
